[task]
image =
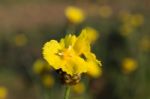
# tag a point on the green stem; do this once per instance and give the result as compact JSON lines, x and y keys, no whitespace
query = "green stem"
{"x":67,"y":92}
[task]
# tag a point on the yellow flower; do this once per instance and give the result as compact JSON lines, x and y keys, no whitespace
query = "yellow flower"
{"x":74,"y":14}
{"x":136,"y":20}
{"x":130,"y":22}
{"x":3,"y":92}
{"x":129,"y":65}
{"x":79,"y":88}
{"x":93,"y":34}
{"x":124,"y":16}
{"x":105,"y":11}
{"x":126,"y":29}
{"x":145,"y":44}
{"x":39,"y":65}
{"x":70,"y":54}
{"x":48,"y":81}
{"x":20,"y":40}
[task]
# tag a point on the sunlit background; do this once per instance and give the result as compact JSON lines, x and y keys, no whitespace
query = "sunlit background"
{"x":123,"y":46}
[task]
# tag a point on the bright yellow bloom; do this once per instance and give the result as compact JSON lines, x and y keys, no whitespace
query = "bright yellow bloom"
{"x":79,"y":88}
{"x":105,"y":11}
{"x":3,"y":92}
{"x":74,"y":14}
{"x":129,"y":65}
{"x":71,"y":54}
{"x":48,"y":81}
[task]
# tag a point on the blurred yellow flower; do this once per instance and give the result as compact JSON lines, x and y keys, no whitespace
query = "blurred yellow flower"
{"x":70,"y":54}
{"x":129,"y":65}
{"x":124,"y":16}
{"x":39,"y":65}
{"x":126,"y":29}
{"x":3,"y":92}
{"x":20,"y":40}
{"x":105,"y":11}
{"x":137,"y":20}
{"x":74,"y":15}
{"x":144,"y":44}
{"x":48,"y":81}
{"x":93,"y":34}
{"x":130,"y":22}
{"x":79,"y":88}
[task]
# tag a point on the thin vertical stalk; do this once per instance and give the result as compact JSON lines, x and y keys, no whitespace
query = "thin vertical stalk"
{"x":67,"y":92}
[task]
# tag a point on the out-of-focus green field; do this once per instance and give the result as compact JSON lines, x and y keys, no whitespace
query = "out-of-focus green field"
{"x":123,"y":46}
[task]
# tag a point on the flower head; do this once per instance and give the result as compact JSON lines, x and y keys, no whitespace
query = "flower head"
{"x":129,"y":65}
{"x":3,"y":92}
{"x":130,"y":22}
{"x":74,"y":14}
{"x":72,"y":54}
{"x":137,"y":20}
{"x":48,"y":80}
{"x":39,"y":65}
{"x":144,"y":44}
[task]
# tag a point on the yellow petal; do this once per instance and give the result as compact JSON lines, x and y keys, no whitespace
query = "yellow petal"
{"x":82,"y":44}
{"x":94,"y":70}
{"x":93,"y":65}
{"x":69,"y":40}
{"x":62,"y":43}
{"x":87,"y":36}
{"x":75,"y":65}
{"x":50,"y":51}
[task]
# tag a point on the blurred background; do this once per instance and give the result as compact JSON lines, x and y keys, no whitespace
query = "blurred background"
{"x":123,"y":47}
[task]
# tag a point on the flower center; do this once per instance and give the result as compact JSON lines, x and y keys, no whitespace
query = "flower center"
{"x":66,"y":53}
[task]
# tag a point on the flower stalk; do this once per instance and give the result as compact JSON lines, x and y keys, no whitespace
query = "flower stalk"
{"x":67,"y":92}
